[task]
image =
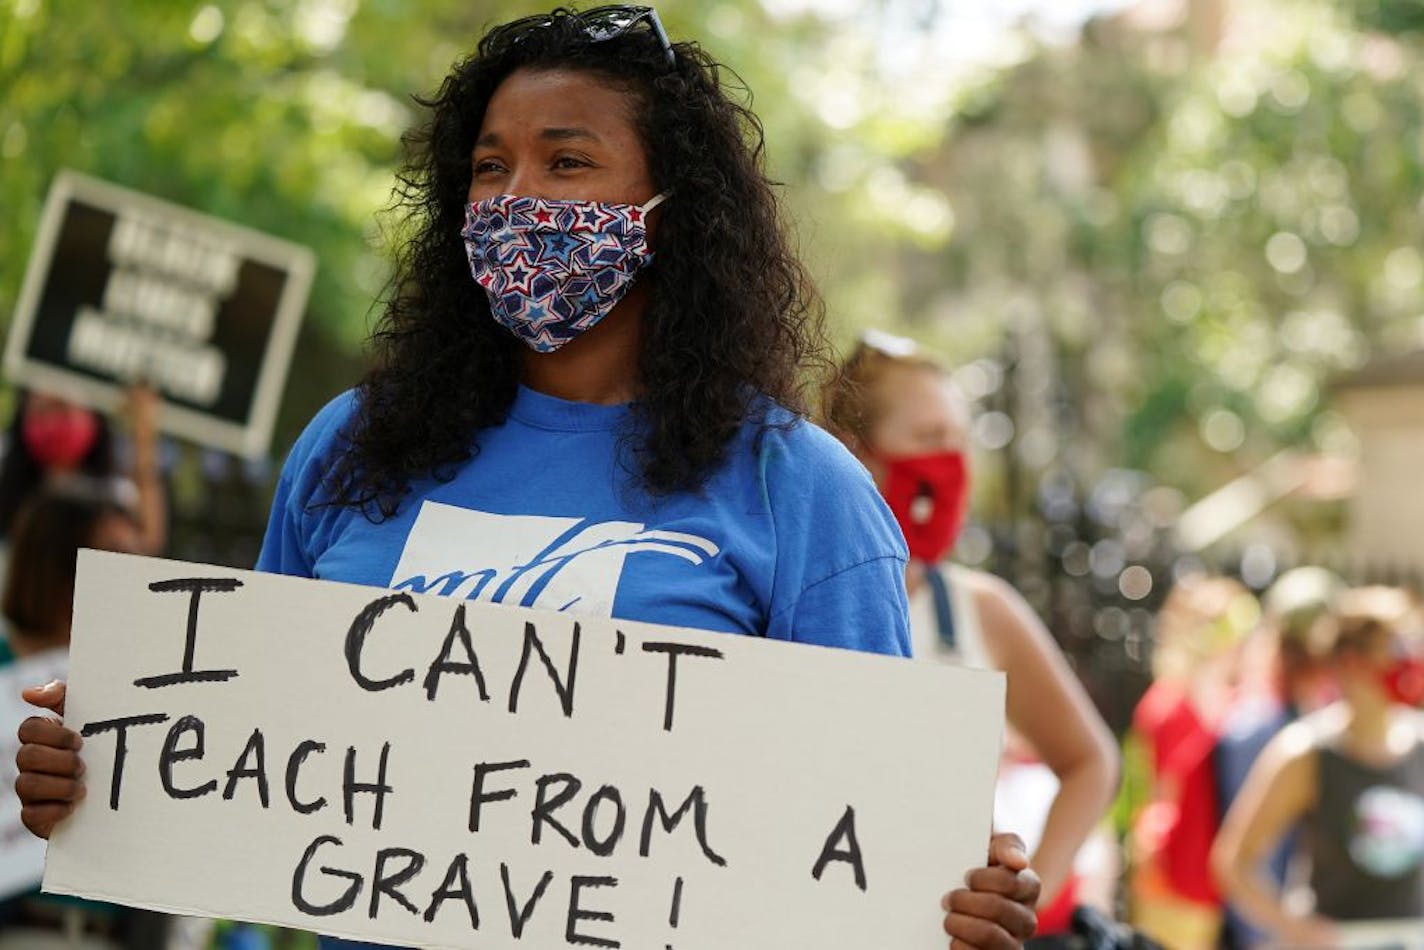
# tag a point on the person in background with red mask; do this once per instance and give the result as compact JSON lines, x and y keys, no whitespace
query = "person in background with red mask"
{"x":52,"y":441}
{"x":51,"y":438}
{"x":1352,"y":775}
{"x":897,"y":411}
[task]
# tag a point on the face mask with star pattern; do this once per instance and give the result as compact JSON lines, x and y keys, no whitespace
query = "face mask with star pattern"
{"x":553,"y":268}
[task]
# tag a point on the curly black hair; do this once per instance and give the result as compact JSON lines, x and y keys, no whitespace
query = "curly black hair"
{"x":732,"y":312}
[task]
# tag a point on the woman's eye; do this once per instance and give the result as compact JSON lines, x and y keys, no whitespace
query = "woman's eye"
{"x":568,"y":161}
{"x":487,"y":166}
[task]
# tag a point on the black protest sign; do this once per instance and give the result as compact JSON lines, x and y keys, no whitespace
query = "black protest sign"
{"x":122,"y":287}
{"x":424,"y":771}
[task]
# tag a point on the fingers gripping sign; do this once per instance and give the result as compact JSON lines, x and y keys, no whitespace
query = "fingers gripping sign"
{"x":49,"y":781}
{"x":995,"y":909}
{"x":49,"y":696}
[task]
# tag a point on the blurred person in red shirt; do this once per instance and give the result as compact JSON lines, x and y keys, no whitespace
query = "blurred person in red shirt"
{"x":1200,"y":630}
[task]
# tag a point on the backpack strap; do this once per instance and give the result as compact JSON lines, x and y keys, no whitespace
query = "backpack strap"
{"x":944,"y":611}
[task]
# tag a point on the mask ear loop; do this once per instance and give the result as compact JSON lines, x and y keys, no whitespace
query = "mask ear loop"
{"x":655,"y":201}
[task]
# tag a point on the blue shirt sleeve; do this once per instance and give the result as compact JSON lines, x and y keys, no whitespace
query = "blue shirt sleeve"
{"x":286,"y":543}
{"x":282,"y":549}
{"x":860,"y":608}
{"x":840,"y":561}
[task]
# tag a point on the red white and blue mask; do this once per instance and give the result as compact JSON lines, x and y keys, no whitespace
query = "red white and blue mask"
{"x":551,"y":268}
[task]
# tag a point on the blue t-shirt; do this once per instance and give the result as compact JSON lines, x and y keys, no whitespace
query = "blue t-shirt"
{"x":788,"y":538}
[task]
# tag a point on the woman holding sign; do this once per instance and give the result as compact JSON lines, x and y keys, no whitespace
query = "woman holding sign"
{"x":590,"y":368}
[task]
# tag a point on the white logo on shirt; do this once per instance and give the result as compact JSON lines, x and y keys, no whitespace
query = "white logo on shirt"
{"x":529,"y":560}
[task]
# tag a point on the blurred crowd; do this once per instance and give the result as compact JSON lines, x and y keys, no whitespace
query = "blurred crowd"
{"x":1283,"y":753}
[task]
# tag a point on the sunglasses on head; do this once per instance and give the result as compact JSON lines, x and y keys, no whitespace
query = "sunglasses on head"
{"x":886,"y":344}
{"x":601,"y":24}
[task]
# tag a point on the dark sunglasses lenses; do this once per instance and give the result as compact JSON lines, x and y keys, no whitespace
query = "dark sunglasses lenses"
{"x":614,"y":22}
{"x":606,"y":23}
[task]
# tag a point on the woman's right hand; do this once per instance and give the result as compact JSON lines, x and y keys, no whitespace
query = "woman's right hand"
{"x":49,"y":783}
{"x":1311,"y":931}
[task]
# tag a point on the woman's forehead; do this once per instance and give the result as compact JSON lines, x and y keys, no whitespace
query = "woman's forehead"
{"x":919,"y":391}
{"x":558,"y":103}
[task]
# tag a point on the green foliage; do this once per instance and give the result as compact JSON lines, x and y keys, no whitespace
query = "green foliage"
{"x":1392,"y":16}
{"x":1207,"y":232}
{"x":1203,"y":234}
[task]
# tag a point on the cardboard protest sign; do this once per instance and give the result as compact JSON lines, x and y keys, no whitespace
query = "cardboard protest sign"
{"x":123,"y":287}
{"x":424,"y":771}
{"x":21,"y":853}
{"x":1382,"y":934}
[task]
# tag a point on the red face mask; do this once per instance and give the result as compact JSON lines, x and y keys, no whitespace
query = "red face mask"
{"x":929,"y":496}
{"x":1404,"y":681}
{"x":59,"y":439}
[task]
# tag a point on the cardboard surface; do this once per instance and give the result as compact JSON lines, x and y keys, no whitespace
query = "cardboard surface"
{"x":549,"y":783}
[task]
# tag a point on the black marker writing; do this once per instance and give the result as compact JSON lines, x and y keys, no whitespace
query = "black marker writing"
{"x":346,"y":901}
{"x":121,"y":745}
{"x":350,"y":788}
{"x":543,"y":813}
{"x":478,"y":795}
{"x":519,"y":917}
{"x":356,"y":640}
{"x":697,"y":801}
{"x":294,"y":764}
{"x":459,"y":868}
{"x":196,"y":586}
{"x":256,"y":748}
{"x":850,"y":854}
{"x":563,"y":685}
{"x":576,"y":913}
{"x":604,"y":846}
{"x":675,"y":914}
{"x":673,"y":651}
{"x":171,"y":754}
{"x":445,"y":664}
{"x":388,"y":883}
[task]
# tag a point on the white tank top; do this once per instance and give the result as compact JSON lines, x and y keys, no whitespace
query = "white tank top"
{"x":925,"y":639}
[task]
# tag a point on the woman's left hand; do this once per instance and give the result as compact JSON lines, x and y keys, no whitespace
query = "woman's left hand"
{"x":996,"y":910}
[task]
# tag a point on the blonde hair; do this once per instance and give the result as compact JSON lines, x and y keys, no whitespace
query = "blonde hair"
{"x":850,"y":405}
{"x":1204,"y":617}
{"x":1295,"y":606}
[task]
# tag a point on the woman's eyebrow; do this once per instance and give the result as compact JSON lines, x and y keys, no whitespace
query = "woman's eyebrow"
{"x":551,"y":134}
{"x":564,"y":134}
